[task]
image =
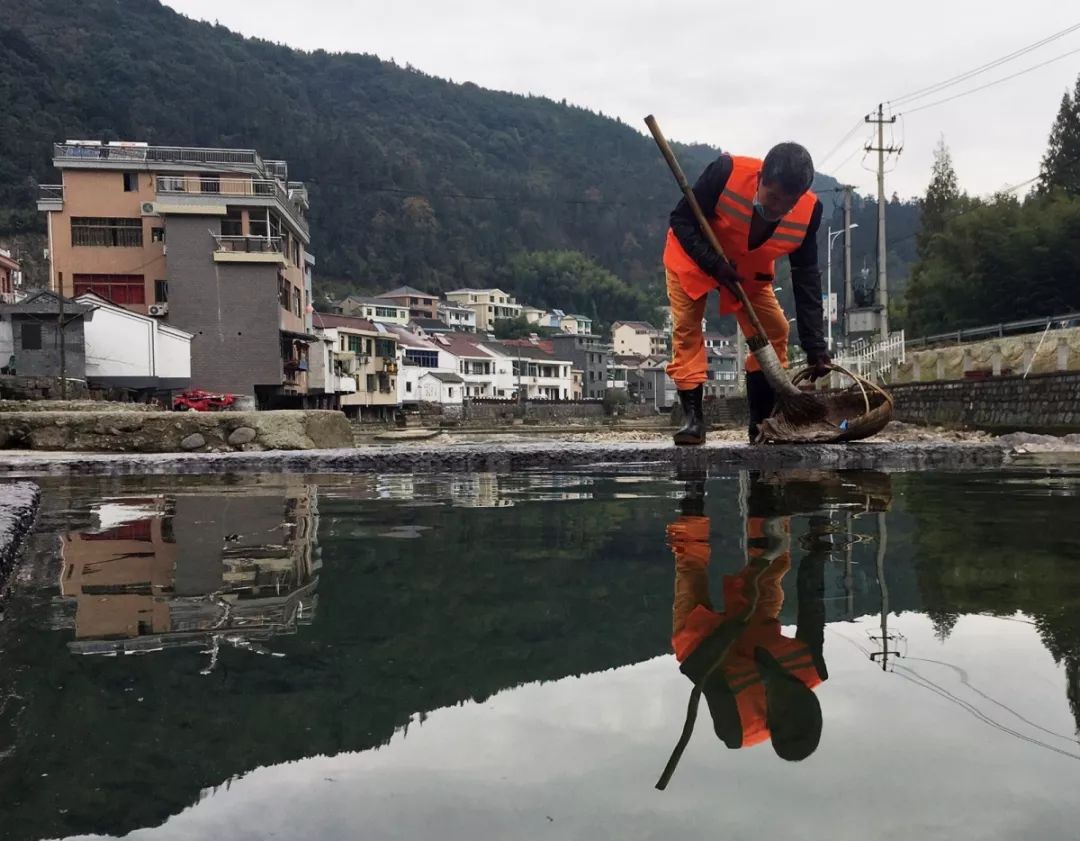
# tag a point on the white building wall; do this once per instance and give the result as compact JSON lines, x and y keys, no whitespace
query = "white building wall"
{"x":119,"y":343}
{"x":173,"y":353}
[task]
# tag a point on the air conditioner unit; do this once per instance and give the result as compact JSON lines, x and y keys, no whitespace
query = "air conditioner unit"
{"x":159,"y":310}
{"x":148,"y":209}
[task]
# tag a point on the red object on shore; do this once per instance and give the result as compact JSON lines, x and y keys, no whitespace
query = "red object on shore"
{"x":197,"y":400}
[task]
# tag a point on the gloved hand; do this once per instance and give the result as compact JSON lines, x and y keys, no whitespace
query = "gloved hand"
{"x":723,"y":271}
{"x":819,"y":365}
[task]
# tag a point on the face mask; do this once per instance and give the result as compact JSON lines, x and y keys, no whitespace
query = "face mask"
{"x":760,"y":211}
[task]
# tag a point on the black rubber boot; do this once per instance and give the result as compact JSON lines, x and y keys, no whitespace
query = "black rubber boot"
{"x":692,"y":431}
{"x":761,"y":399}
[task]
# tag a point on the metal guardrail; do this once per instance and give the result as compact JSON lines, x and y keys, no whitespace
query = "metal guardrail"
{"x":231,"y":188}
{"x":250,"y":245}
{"x":158,"y":154}
{"x":974,"y":334}
{"x":51,"y":192}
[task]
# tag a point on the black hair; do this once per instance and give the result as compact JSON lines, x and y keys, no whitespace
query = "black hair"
{"x":790,"y":166}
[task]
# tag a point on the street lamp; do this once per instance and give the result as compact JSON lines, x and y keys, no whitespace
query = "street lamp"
{"x":828,"y":293}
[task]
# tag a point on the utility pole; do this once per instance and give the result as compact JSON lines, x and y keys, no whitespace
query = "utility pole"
{"x":60,"y":332}
{"x":849,"y":298}
{"x":881,"y":149}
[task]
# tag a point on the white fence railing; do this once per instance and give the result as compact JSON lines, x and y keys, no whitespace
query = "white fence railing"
{"x":874,"y":360}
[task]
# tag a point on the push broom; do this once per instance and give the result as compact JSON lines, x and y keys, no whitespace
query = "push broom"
{"x":798,"y":407}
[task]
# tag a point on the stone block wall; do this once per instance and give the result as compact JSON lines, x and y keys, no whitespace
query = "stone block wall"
{"x":40,"y":388}
{"x":1057,"y":350}
{"x":1047,"y":403}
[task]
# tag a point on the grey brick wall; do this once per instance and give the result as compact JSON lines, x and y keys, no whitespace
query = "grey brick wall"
{"x":46,"y":361}
{"x":232,"y":308}
{"x":1048,"y":403}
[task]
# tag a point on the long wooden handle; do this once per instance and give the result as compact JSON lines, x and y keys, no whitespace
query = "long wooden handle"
{"x":703,"y":223}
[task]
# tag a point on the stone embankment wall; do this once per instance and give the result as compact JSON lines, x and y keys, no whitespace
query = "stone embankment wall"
{"x":1056,"y":351}
{"x":1047,"y":403}
{"x":166,"y":432}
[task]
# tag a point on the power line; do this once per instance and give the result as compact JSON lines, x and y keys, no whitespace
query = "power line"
{"x":963,"y":77}
{"x":840,"y":142}
{"x":991,"y":84}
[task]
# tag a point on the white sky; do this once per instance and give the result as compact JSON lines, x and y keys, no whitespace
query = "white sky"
{"x":737,"y":75}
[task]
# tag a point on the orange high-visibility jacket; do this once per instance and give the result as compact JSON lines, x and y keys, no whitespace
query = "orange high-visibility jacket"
{"x":739,"y":669}
{"x":730,"y":220}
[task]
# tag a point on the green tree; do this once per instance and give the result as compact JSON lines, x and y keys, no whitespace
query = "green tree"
{"x":1061,"y":163}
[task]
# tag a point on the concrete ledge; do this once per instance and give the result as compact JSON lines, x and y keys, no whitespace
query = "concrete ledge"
{"x":865,"y":455}
{"x":18,"y":507}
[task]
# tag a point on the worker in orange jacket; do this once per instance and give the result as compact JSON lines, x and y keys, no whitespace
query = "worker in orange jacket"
{"x":760,"y":210}
{"x":761,"y":688}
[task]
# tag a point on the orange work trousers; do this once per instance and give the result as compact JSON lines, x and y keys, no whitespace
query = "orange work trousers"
{"x":689,"y":366}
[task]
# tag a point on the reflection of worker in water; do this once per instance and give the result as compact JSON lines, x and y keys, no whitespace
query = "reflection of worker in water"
{"x":758,"y":683}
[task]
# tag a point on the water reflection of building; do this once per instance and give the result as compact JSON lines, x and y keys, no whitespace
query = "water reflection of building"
{"x":180,"y":569}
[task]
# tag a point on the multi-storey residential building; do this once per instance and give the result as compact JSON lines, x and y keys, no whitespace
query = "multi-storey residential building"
{"x":639,"y":338}
{"x":382,"y":310}
{"x":420,"y":304}
{"x":650,"y":384}
{"x":418,"y":357}
{"x":588,"y":355}
{"x":10,"y":277}
{"x":534,"y":315}
{"x":536,"y":371}
{"x":477,"y":365}
{"x":212,"y":240}
{"x":458,"y":318}
{"x":490,"y":305}
{"x":576,"y":324}
{"x":365,"y":364}
{"x":724,"y":371}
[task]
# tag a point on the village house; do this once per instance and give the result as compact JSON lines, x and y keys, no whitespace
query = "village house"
{"x":10,"y":277}
{"x":489,"y":305}
{"x":639,"y":338}
{"x":162,"y":231}
{"x":419,"y":304}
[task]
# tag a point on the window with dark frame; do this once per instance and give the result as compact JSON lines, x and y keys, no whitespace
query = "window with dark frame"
{"x":157,"y":235}
{"x":131,"y":182}
{"x":110,"y":232}
{"x":161,"y":291}
{"x":31,"y":336}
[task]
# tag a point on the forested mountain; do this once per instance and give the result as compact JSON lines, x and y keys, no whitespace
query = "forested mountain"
{"x":413,"y":179}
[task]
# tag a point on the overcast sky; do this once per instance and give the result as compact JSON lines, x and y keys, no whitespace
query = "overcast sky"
{"x":738,"y":75}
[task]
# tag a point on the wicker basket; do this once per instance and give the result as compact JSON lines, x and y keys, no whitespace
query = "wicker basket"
{"x":865,"y":405}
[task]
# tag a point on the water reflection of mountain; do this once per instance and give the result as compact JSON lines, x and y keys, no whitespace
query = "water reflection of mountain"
{"x":189,"y":569}
{"x":472,"y":602}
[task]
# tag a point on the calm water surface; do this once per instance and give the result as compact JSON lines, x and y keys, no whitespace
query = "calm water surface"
{"x":489,"y":656}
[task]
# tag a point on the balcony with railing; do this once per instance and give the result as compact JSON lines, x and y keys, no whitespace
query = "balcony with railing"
{"x":213,"y":188}
{"x":90,"y":152}
{"x":249,"y":249}
{"x":50,"y":197}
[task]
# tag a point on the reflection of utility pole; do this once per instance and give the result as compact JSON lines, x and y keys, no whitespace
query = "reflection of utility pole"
{"x":849,"y":580}
{"x":884,"y":588}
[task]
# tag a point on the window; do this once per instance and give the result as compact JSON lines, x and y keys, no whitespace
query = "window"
{"x":157,"y":235}
{"x":450,"y":392}
{"x":422,"y":358}
{"x":355,"y":344}
{"x":118,"y":288}
{"x":232,"y":224}
{"x":161,"y":291}
{"x":408,"y":387}
{"x":370,"y":382}
{"x":111,"y":232}
{"x":386,"y":312}
{"x":131,"y":182}
{"x":370,"y":347}
{"x":210,"y":184}
{"x":284,"y":292}
{"x":257,"y":226}
{"x":385,"y":348}
{"x":296,"y":301}
{"x":31,"y":336}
